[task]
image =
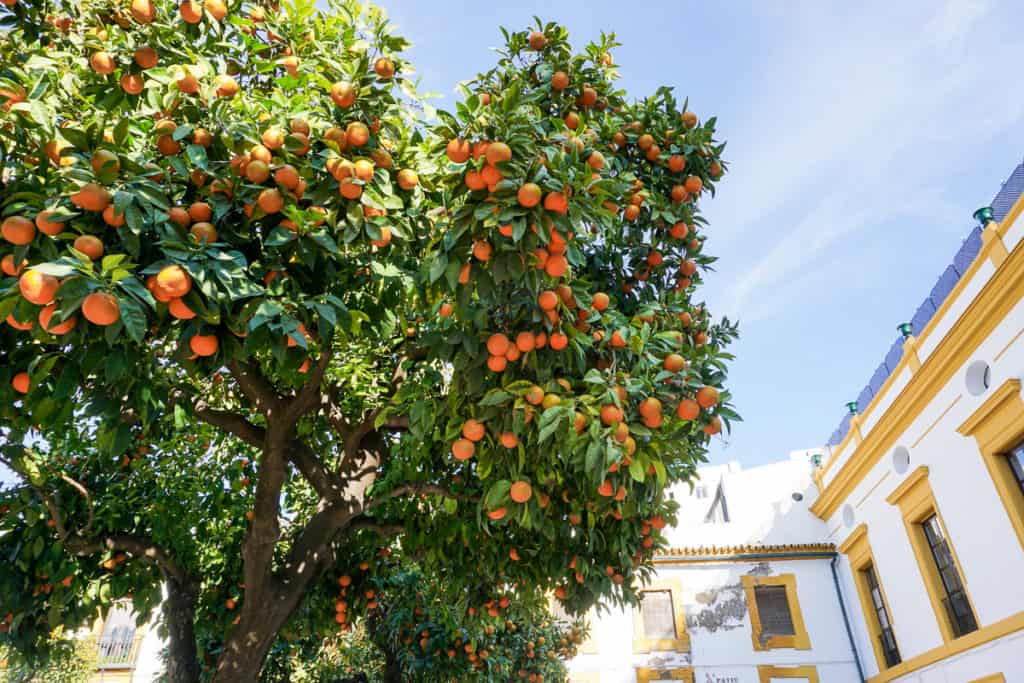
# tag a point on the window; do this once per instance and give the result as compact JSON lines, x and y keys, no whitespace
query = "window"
{"x":659,"y":623}
{"x":886,"y":638}
{"x":775,"y":617}
{"x":656,"y":612}
{"x":998,"y":428}
{"x":1015,"y":459}
{"x":767,"y":674}
{"x":935,"y":555}
{"x":877,"y":615}
{"x":701,"y":492}
{"x":958,"y":609}
{"x":773,"y":606}
{"x":115,"y":647}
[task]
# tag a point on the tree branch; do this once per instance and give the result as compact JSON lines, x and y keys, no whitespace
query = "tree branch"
{"x":232,"y":423}
{"x":371,"y":524}
{"x":140,"y":546}
{"x":418,"y":488}
{"x":308,"y":396}
{"x":256,"y":387}
{"x":325,"y":482}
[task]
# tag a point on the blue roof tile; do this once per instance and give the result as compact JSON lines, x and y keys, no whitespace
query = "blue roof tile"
{"x":944,"y":286}
{"x":882,"y":373}
{"x":864,"y":397}
{"x":1001,"y":204}
{"x":1007,"y":196}
{"x":968,"y":250}
{"x":895,"y":355}
{"x":921,"y":317}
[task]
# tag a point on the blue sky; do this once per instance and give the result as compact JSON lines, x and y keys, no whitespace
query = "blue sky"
{"x":862,"y":136}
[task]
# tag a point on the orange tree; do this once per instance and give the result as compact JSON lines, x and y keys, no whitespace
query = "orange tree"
{"x":478,"y":344}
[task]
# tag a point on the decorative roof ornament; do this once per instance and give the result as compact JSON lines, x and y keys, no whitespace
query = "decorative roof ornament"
{"x":983,"y":215}
{"x":906,"y":329}
{"x":852,"y":407}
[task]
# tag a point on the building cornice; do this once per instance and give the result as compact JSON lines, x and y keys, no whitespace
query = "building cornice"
{"x":724,"y":553}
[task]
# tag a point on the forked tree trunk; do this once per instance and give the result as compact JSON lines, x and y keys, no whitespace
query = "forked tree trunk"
{"x":179,"y":617}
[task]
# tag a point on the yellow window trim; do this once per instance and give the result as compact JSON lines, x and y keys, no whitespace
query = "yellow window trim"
{"x":980,"y":637}
{"x":857,"y":549}
{"x":800,"y":640}
{"x":1000,"y":294}
{"x":765,"y":673}
{"x":646,"y":675}
{"x":998,"y":425}
{"x":994,"y":678}
{"x":681,"y":643}
{"x":916,"y":501}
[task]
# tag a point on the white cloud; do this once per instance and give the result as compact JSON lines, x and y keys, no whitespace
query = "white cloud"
{"x":863,"y":116}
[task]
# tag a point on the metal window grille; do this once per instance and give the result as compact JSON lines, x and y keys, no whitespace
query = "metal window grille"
{"x":1016,"y":460}
{"x":773,"y":610}
{"x":115,"y":645}
{"x":658,"y":618}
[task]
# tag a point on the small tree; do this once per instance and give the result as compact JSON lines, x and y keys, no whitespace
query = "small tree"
{"x":478,"y":345}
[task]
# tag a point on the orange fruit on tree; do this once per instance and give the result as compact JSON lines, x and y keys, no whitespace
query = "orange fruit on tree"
{"x":650,"y":407}
{"x":689,"y":119}
{"x":146,"y":57}
{"x":204,"y":231}
{"x":227,"y":86}
{"x":473,"y":430}
{"x":464,"y":273}
{"x":188,"y":83}
{"x":557,"y":202}
{"x":102,"y":63}
{"x":475,"y":181}
{"x":680,"y":230}
{"x":191,"y":11}
{"x":363,"y":169}
{"x":482,"y":250}
{"x":497,"y":363}
{"x":8,"y":267}
{"x":408,"y":179}
{"x":547,"y":300}
{"x":132,"y":84}
{"x":101,"y":308}
{"x":384,"y":67}
{"x":18,"y":325}
{"x":200,"y":211}
{"x":558,"y":341}
{"x":385,"y":238}
{"x":588,"y":97}
{"x":693,"y":184}
{"x":714,"y":426}
{"x":497,"y":344}
{"x":257,"y":171}
{"x":217,"y":9}
{"x":498,"y":152}
{"x":343,"y":94}
{"x":559,"y":81}
{"x":534,"y":395}
{"x":525,"y":341}
{"x":509,"y":440}
{"x":18,"y":230}
{"x":537,"y":40}
{"x":105,"y":161}
{"x":496,"y":514}
{"x":556,"y":266}
{"x":178,"y":309}
{"x":46,"y":315}
{"x":446,"y":310}
{"x":270,"y":201}
{"x":204,"y":344}
{"x":611,"y":414}
{"x":596,"y":160}
{"x":273,"y":138}
{"x":617,"y":340}
{"x":89,"y":245}
{"x":358,"y":134}
{"x":707,"y":397}
{"x":676,"y":163}
{"x":174,"y":281}
{"x":463,"y":449}
{"x":606,"y":489}
{"x":688,"y":267}
{"x":143,"y":11}
{"x":529,"y":195}
{"x":287,"y":176}
{"x":688,"y":409}
{"x":38,"y":288}
{"x":600,"y":301}
{"x":521,"y":491}
{"x":458,"y":151}
{"x":21,"y":383}
{"x":91,"y":197}
{"x":674,"y":362}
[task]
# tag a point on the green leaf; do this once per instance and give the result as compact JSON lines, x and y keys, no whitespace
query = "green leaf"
{"x":133,"y":316}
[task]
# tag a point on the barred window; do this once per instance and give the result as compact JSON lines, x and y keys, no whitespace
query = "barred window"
{"x":773,"y":609}
{"x":658,"y":617}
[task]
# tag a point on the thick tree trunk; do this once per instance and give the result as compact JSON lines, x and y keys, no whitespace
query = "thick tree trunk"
{"x":392,"y":667}
{"x":179,"y":618}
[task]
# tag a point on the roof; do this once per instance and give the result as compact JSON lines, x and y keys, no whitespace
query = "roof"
{"x":1001,"y":204}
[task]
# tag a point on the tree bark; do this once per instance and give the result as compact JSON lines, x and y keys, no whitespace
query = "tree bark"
{"x":179,"y":617}
{"x":392,"y":667}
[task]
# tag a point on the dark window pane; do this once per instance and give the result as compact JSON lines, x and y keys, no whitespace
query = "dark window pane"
{"x":658,"y":619}
{"x":773,"y":608}
{"x":958,"y":608}
{"x":1016,"y":460}
{"x":886,"y":637}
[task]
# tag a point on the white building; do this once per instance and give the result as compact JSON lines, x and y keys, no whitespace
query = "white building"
{"x":893,"y":554}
